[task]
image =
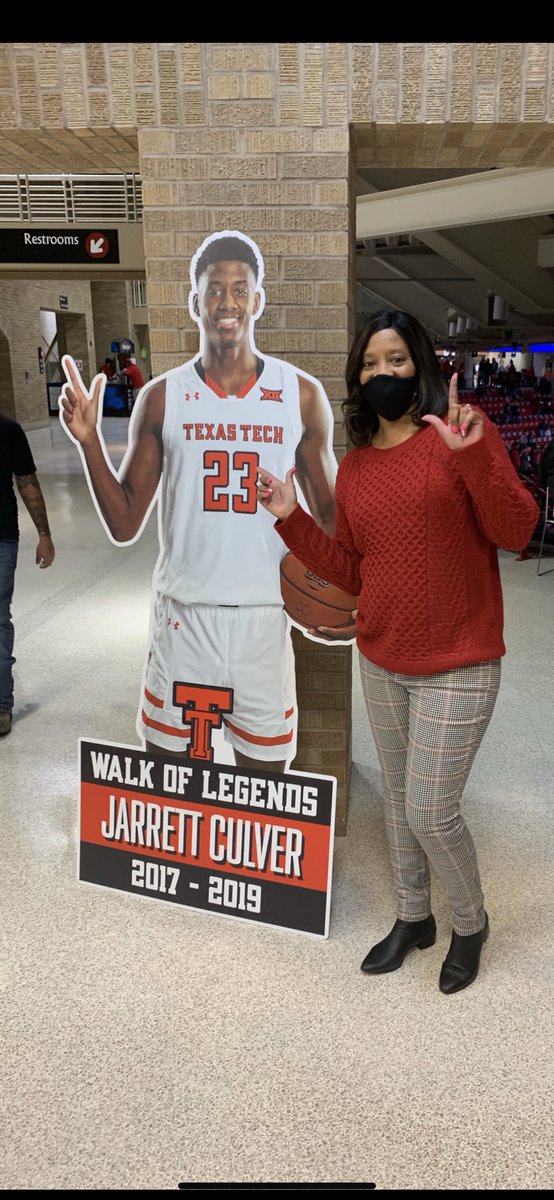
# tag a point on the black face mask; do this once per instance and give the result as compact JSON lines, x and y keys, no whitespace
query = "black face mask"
{"x":390,"y":396}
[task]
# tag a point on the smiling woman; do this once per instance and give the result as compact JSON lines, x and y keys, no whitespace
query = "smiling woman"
{"x":386,"y":351}
{"x":420,"y":512}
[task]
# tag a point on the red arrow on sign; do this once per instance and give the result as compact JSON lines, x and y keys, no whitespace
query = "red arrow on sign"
{"x":97,"y":245}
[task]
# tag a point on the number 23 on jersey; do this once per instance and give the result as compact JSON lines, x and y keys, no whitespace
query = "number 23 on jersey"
{"x":218,"y":496}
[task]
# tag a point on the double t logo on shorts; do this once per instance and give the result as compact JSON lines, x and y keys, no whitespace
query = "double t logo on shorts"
{"x":203,"y":709}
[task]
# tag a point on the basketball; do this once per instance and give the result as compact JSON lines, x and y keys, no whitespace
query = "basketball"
{"x":311,"y":601}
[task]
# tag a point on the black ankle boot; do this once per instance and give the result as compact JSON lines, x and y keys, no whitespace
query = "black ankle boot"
{"x":461,"y":964}
{"x":389,"y":954}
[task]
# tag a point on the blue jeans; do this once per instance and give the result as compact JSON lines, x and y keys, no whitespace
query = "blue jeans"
{"x":8,"y":560}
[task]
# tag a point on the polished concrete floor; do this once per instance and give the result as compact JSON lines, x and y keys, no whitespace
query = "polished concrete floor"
{"x":146,"y":1045}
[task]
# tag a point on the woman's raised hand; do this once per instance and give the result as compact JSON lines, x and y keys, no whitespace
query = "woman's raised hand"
{"x":465,"y":426}
{"x":278,"y":496}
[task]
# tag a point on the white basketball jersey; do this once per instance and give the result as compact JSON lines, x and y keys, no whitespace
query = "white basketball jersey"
{"x":218,"y":544}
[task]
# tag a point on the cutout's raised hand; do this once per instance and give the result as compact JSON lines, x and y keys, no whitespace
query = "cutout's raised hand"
{"x":79,"y":408}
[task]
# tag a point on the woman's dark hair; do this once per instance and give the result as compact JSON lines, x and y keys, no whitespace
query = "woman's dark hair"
{"x":360,"y":420}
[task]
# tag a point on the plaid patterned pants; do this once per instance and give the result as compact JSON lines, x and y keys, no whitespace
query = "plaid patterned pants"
{"x":427,"y":730}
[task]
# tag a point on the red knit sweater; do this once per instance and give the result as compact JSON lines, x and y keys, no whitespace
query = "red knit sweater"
{"x":416,"y":537}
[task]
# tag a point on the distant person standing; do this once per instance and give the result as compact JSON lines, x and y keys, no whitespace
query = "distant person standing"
{"x":107,"y":368}
{"x":16,"y":460}
{"x":133,"y":378}
{"x":482,"y":375}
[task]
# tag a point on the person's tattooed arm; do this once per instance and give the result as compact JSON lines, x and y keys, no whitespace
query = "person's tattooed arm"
{"x":30,"y":491}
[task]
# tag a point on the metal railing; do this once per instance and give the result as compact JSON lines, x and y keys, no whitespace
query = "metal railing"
{"x":73,"y":199}
{"x":139,"y":295}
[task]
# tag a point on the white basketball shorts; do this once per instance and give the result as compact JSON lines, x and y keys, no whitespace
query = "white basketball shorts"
{"x":248,"y":649}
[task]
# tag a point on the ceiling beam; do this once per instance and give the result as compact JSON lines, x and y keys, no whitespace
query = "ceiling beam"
{"x":431,"y":313}
{"x":465,"y":200}
{"x":473,"y":266}
{"x":473,"y":313}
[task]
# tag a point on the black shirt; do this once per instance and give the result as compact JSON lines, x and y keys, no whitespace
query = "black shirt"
{"x":15,"y":459}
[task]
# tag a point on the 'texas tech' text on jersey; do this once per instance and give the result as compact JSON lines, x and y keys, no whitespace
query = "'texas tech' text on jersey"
{"x":218,"y":545}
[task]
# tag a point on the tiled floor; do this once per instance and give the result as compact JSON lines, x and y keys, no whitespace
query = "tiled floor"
{"x":146,"y":1045}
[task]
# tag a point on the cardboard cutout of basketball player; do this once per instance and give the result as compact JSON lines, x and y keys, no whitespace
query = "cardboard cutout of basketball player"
{"x":198,"y":436}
